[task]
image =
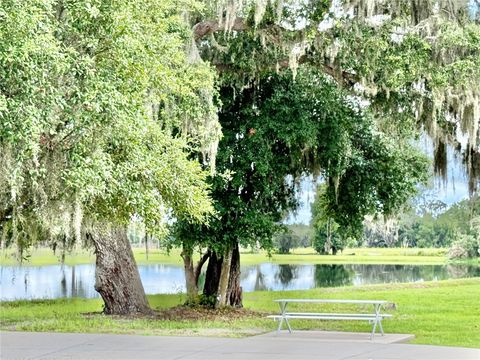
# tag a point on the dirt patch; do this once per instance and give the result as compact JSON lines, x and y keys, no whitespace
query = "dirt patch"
{"x":188,"y":313}
{"x":200,"y":313}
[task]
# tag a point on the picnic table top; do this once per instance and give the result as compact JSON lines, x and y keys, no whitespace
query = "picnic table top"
{"x":332,"y":301}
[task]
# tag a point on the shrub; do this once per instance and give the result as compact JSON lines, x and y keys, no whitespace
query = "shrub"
{"x":467,"y":246}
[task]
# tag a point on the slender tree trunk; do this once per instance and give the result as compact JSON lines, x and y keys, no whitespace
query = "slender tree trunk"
{"x":222,"y":298}
{"x":212,"y":277}
{"x":116,"y":274}
{"x":146,"y":245}
{"x":192,"y":271}
{"x":328,"y":243}
{"x":234,"y":288}
{"x":190,"y":281}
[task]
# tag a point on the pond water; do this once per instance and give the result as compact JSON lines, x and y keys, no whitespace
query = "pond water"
{"x":48,"y":282}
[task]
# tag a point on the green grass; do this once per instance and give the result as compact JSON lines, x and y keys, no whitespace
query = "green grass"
{"x":438,"y":313}
{"x":43,"y":256}
{"x":357,"y":255}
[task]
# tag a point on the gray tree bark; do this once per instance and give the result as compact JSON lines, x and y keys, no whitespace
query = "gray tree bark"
{"x":234,"y":293}
{"x":222,"y":298}
{"x":116,"y":274}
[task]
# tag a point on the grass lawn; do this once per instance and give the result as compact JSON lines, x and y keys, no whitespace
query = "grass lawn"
{"x":43,"y":256}
{"x":437,"y":312}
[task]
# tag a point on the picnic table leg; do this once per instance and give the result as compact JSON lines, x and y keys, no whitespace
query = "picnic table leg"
{"x":376,"y":321}
{"x":288,"y":326}
{"x":379,"y":318}
{"x":380,"y":326}
{"x":280,"y":323}
{"x":373,"y":330}
{"x":283,"y":309}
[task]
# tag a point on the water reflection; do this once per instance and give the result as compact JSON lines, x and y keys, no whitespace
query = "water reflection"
{"x":286,"y":273}
{"x":27,"y":282}
{"x":269,"y":276}
{"x":331,"y":275}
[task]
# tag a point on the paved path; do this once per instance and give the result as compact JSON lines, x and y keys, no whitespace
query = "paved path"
{"x":21,"y":345}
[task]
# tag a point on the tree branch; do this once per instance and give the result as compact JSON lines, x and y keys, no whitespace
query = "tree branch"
{"x":200,"y":263}
{"x":208,"y":27}
{"x":204,"y":28}
{"x":344,"y":78}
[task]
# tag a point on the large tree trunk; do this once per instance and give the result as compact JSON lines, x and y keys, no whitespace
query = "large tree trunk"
{"x":234,"y":289}
{"x":232,"y":293}
{"x":116,"y":274}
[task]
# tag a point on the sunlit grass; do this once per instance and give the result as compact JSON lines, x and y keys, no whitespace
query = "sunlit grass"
{"x":437,"y":312}
{"x":43,"y":256}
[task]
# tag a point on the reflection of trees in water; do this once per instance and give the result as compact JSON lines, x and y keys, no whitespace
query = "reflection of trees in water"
{"x":371,"y":274}
{"x":78,"y":281}
{"x":259,"y":279}
{"x":332,"y":275}
{"x":74,"y":283}
{"x":63,"y":284}
{"x":77,"y":287}
{"x":25,"y":282}
{"x":461,"y":271}
{"x":80,"y":287}
{"x":286,"y":273}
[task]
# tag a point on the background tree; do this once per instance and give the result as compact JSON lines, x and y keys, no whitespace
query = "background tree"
{"x":286,"y":126}
{"x":90,"y":94}
{"x":468,"y":244}
{"x":409,"y":63}
{"x":303,"y":232}
{"x":383,"y":232}
{"x":423,"y":224}
{"x":286,"y":241}
{"x":327,"y":236}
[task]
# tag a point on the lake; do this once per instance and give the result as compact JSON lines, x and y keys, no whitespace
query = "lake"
{"x":57,"y":281}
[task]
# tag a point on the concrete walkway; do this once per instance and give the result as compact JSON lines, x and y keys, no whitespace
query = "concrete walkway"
{"x":303,"y":345}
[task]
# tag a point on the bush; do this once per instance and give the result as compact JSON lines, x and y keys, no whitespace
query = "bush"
{"x":467,"y":246}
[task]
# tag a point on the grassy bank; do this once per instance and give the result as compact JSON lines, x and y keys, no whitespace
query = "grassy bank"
{"x":439,"y":313}
{"x":44,"y":256}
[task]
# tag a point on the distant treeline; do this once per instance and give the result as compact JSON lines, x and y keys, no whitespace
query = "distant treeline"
{"x":426,"y":225}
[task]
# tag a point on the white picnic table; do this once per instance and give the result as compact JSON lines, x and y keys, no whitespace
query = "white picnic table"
{"x":375,"y":318}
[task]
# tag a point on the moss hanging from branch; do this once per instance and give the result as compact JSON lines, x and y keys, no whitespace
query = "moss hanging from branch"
{"x":89,"y":134}
{"x":411,"y":62}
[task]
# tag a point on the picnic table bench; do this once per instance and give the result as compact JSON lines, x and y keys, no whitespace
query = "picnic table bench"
{"x":374,"y":318}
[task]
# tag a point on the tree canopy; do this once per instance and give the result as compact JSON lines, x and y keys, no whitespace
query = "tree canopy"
{"x":284,"y":127}
{"x":417,"y":64}
{"x":402,"y":67}
{"x":107,"y":106}
{"x":427,"y":224}
{"x":91,"y":97}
